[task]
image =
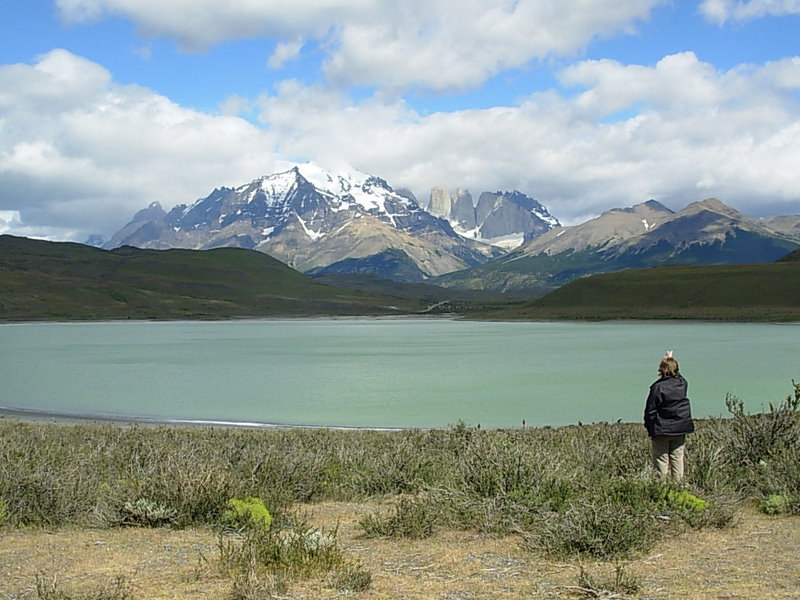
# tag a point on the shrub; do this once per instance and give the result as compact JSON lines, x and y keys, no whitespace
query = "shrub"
{"x":757,"y":436}
{"x":3,"y":512}
{"x":143,"y":512}
{"x":619,"y":585}
{"x":599,"y":528}
{"x":684,"y":501}
{"x":247,"y":512}
{"x":775,"y":504}
{"x":352,"y":578}
{"x":409,"y":518}
{"x":251,"y":584}
{"x":300,"y":551}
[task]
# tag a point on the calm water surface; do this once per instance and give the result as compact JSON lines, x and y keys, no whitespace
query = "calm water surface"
{"x":386,"y":373}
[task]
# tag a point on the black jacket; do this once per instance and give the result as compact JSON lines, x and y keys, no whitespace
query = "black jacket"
{"x":667,"y":410}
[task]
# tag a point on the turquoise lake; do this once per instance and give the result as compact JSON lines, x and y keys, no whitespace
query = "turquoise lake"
{"x":386,"y":372}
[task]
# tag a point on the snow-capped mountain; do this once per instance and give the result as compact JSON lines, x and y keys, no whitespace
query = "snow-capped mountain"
{"x":310,"y":218}
{"x":504,"y":219}
{"x":648,"y":234}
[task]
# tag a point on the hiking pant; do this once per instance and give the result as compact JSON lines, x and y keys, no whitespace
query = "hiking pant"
{"x":668,"y":455}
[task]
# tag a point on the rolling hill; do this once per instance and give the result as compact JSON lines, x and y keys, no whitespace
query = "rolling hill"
{"x":752,"y":292}
{"x":62,"y":280}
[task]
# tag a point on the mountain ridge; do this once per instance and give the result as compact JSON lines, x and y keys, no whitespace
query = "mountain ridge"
{"x":309,"y":218}
{"x":323,"y":222}
{"x":648,"y":234}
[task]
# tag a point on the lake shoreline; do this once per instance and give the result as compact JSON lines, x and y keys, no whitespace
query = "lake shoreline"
{"x":28,"y":415}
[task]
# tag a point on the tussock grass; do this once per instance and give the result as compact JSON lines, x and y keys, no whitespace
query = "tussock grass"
{"x":568,"y":491}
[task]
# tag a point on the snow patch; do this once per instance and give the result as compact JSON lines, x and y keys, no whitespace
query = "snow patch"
{"x":314,"y":235}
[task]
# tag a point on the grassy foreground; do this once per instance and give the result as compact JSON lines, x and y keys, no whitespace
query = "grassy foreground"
{"x":572,"y":495}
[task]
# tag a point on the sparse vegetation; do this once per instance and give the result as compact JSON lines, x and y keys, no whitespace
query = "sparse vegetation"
{"x":578,"y":492}
{"x":49,"y":588}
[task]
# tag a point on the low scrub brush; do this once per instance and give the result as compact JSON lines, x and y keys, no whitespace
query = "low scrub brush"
{"x":246,"y":513}
{"x":409,"y":518}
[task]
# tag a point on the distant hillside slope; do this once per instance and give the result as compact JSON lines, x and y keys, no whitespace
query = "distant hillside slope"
{"x":791,"y":257}
{"x":755,"y":292}
{"x":58,"y":280}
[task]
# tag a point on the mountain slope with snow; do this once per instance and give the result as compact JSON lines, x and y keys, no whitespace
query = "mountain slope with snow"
{"x":309,"y":218}
{"x":704,"y":233}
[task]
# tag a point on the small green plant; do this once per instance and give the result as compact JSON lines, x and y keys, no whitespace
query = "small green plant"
{"x":146,"y":513}
{"x":246,"y":513}
{"x":3,"y":511}
{"x":684,"y":501}
{"x":775,"y":504}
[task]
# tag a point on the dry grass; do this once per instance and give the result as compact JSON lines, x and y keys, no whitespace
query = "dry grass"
{"x":754,"y":560}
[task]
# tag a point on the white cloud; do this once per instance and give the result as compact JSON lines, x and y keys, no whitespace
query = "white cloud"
{"x":679,"y":131}
{"x":722,"y":11}
{"x":78,"y":150}
{"x":285,"y":52}
{"x":437,"y":44}
{"x":80,"y":154}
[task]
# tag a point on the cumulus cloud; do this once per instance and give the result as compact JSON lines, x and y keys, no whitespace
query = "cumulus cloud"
{"x":436,"y":44}
{"x":722,"y":11}
{"x":79,"y":150}
{"x":678,"y":131}
{"x":285,"y":52}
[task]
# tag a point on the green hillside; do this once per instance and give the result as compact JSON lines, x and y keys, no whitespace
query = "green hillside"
{"x":59,"y":280}
{"x":756,"y":292}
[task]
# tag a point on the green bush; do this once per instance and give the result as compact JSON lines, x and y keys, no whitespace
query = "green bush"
{"x":685,"y":501}
{"x":775,"y":504}
{"x":246,"y":513}
{"x":3,"y":512}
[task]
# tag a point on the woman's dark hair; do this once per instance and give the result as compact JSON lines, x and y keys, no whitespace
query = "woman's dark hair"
{"x":669,"y":367}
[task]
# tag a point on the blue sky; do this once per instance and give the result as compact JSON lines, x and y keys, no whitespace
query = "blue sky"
{"x":108,"y":105}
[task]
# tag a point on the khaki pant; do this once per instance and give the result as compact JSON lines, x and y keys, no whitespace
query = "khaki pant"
{"x":668,"y":455}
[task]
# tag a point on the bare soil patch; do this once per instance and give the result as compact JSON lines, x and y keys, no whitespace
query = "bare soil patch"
{"x":756,"y":559}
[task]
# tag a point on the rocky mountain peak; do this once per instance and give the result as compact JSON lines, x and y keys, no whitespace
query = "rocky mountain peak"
{"x":309,"y":217}
{"x":505,"y":219}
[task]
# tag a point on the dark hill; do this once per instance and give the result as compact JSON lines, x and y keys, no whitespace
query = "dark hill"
{"x":791,"y":257}
{"x":60,"y":280}
{"x":755,"y":292}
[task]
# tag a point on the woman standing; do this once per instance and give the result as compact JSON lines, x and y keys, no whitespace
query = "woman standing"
{"x":668,"y":418}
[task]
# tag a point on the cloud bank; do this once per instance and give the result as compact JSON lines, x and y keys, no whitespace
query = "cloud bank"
{"x":439,"y":45}
{"x":80,"y":152}
{"x":722,"y":11}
